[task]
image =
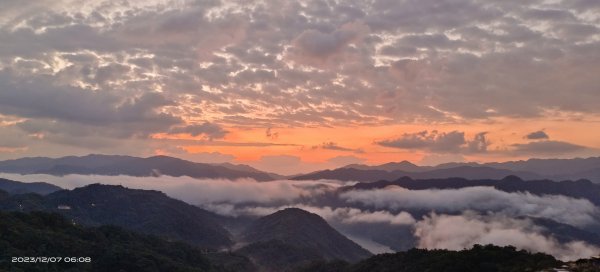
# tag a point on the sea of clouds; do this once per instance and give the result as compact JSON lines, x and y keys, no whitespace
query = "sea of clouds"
{"x":454,"y":218}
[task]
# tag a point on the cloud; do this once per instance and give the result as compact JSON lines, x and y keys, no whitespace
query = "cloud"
{"x":457,"y":232}
{"x":454,"y":219}
{"x":35,"y":98}
{"x":316,"y":45}
{"x":143,"y":67}
{"x":338,"y":215}
{"x":11,"y":138}
{"x":198,"y":191}
{"x":576,"y":212}
{"x":537,"y":135}
{"x":273,"y":135}
{"x":352,"y":215}
{"x":439,"y":142}
{"x":336,"y":147}
{"x":219,"y":53}
{"x":548,"y":147}
{"x":209,"y":130}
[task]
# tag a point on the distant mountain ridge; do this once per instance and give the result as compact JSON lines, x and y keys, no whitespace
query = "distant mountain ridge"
{"x":132,"y":166}
{"x":370,"y":175}
{"x":555,"y":169}
{"x":576,"y":189}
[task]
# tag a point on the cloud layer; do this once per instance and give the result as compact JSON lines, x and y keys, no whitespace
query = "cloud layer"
{"x":452,"y":219}
{"x":457,"y":232}
{"x":91,"y":74}
{"x":577,"y":212}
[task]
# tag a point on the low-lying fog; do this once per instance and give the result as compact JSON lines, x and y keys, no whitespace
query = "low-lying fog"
{"x":387,"y":219}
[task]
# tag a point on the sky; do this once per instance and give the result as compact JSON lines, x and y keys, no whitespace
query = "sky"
{"x":296,"y":86}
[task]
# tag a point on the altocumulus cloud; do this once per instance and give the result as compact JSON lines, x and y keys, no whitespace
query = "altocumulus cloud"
{"x":438,"y":142}
{"x":208,"y":59}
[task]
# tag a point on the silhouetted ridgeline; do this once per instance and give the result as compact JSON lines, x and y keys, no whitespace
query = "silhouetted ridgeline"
{"x":476,"y":259}
{"x":15,"y":187}
{"x":287,"y":240}
{"x":305,"y":232}
{"x":115,"y":249}
{"x":146,"y":211}
{"x":131,"y":166}
{"x":577,"y":189}
{"x":109,"y":248}
{"x":532,"y":169}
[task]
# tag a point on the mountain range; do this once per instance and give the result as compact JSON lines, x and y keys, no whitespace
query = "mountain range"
{"x":301,"y":235}
{"x":188,"y":238}
{"x":131,"y":166}
{"x":575,"y":189}
{"x":109,"y":248}
{"x":554,"y":169}
{"x":146,"y":211}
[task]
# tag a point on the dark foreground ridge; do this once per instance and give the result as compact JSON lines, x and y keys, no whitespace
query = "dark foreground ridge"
{"x":477,"y":259}
{"x":16,"y":187}
{"x":109,"y":248}
{"x":297,"y":236}
{"x":146,"y":211}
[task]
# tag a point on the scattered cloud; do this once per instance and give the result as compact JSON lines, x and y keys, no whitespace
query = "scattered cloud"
{"x":143,"y":68}
{"x":537,"y":135}
{"x":271,"y":134}
{"x":336,"y":147}
{"x":547,"y":147}
{"x":209,"y":130}
{"x":439,"y":142}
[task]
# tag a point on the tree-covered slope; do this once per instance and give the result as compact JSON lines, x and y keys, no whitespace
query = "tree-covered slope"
{"x":39,"y":234}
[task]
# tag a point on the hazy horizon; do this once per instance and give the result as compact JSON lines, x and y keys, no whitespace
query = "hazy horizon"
{"x":310,"y":168}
